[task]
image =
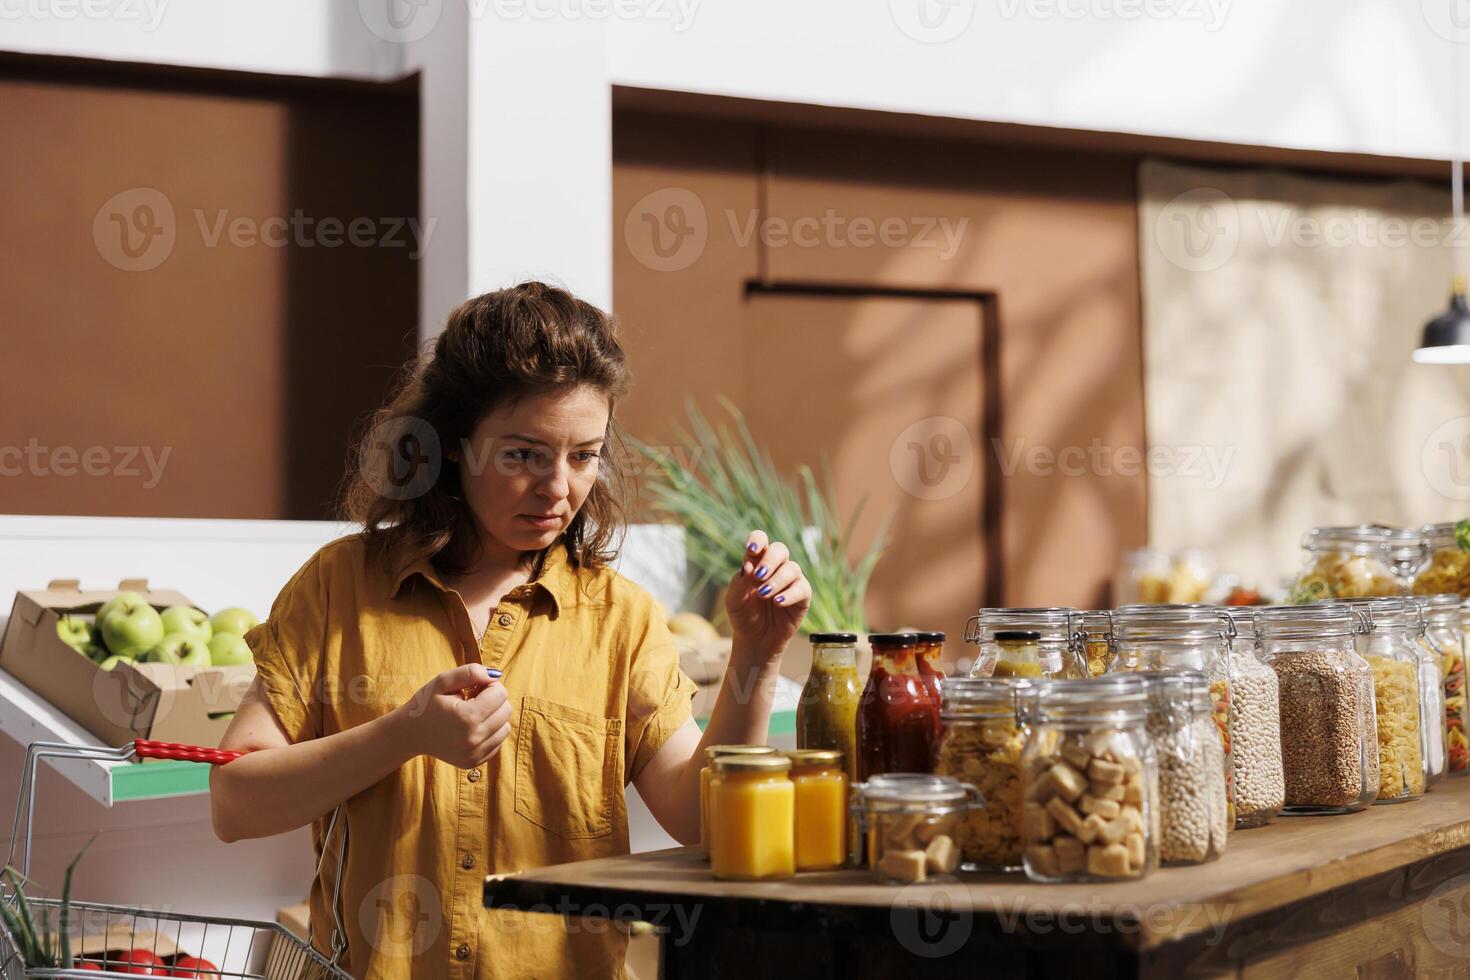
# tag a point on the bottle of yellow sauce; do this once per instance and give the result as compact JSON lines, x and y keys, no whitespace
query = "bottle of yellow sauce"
{"x":710,"y":755}
{"x":821,"y":808}
{"x":752,"y":818}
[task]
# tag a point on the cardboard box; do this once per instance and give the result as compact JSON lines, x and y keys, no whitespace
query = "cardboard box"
{"x":158,"y":701}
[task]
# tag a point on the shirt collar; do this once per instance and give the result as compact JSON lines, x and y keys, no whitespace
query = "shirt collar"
{"x":558,"y":577}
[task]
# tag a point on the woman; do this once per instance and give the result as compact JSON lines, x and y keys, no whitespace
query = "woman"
{"x":468,"y":678}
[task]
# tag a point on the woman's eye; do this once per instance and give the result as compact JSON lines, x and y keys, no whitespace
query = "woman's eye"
{"x":521,"y":455}
{"x":587,"y":456}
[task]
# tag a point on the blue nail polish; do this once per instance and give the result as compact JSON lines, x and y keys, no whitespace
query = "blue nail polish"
{"x":762,"y":572}
{"x":780,"y":599}
{"x":751,"y":547}
{"x":764,"y":590}
{"x":494,"y":674}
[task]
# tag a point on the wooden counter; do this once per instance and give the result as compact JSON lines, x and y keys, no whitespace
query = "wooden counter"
{"x":1381,"y":893}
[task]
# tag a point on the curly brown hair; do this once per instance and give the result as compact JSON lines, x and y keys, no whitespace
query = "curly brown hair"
{"x":403,"y":485}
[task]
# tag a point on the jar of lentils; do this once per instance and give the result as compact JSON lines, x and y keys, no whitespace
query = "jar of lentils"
{"x":980,"y":744}
{"x":1255,"y":726}
{"x":1387,"y":639}
{"x":1193,"y":813}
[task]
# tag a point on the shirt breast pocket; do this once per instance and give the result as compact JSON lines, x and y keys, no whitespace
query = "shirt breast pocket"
{"x":567,"y":763}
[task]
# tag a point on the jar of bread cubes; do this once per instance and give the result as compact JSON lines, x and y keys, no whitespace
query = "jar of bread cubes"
{"x":1090,"y":782}
{"x":908,"y":822}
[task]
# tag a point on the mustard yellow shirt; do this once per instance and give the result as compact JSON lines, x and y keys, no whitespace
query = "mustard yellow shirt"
{"x":595,"y":689}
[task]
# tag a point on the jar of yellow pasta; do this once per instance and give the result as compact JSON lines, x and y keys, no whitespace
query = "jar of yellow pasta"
{"x":980,"y":744}
{"x":1448,"y":569}
{"x":1345,"y":563}
{"x":1386,"y":639}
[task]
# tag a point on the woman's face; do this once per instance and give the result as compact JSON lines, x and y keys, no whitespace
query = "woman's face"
{"x":527,"y":468}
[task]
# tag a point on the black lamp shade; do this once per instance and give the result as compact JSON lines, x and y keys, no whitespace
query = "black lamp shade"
{"x":1447,"y":336}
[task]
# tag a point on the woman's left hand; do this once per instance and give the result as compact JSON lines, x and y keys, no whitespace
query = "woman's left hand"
{"x":768,"y":598}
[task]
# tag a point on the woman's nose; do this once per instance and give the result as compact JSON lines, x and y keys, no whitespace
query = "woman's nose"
{"x":553,"y":485}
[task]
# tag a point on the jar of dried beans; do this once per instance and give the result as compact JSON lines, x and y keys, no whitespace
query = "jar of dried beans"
{"x":983,"y":735}
{"x":1194,"y":816}
{"x":1329,"y":732}
{"x":1089,"y":782}
{"x":1255,"y":726}
{"x":1408,"y":719}
{"x":1006,"y":649}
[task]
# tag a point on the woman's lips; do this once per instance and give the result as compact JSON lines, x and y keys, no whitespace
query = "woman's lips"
{"x":541,"y":522}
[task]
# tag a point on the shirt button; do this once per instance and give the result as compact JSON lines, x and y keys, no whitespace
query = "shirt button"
{"x":506,"y":619}
{"x":467,"y":862}
{"x":473,"y":775}
{"x":462,"y":951}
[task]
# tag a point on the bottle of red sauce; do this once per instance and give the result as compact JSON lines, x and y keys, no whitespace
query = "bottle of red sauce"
{"x":930,"y":661}
{"x":896,"y":718}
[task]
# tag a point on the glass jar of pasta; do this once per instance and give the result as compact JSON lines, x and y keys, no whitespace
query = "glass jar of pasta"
{"x":1387,"y":639}
{"x":1032,"y":643}
{"x":1448,"y":569}
{"x":908,"y":822}
{"x":1329,"y":731}
{"x":1255,"y":726}
{"x":1182,"y":637}
{"x":1095,"y":636}
{"x":983,"y":735}
{"x":1444,"y":639}
{"x":1149,"y":576}
{"x":1089,"y":782}
{"x":1345,"y":563}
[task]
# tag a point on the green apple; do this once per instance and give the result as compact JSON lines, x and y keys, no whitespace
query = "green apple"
{"x":182,"y":649}
{"x":132,"y":629}
{"x":234,"y":620}
{"x":92,"y":651}
{"x":74,"y":630}
{"x":117,"y":602}
{"x":188,"y":620}
{"x":227,"y":649}
{"x":113,"y":661}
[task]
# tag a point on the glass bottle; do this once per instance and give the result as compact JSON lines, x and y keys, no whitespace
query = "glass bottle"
{"x":1329,"y":730}
{"x":1345,"y":563}
{"x":1387,"y":640}
{"x":1194,"y":813}
{"x":1255,"y":727}
{"x":710,"y":755}
{"x":1090,"y":785}
{"x":1051,"y":653}
{"x":981,"y":743}
{"x":930,"y":661}
{"x":821,"y":808}
{"x":908,"y":821}
{"x":1444,"y":637}
{"x":826,"y":715}
{"x":896,"y":720}
{"x":752,"y":818}
{"x":1448,"y":569}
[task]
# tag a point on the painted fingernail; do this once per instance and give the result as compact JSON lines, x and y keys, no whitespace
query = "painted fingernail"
{"x":764,"y":590}
{"x":751,"y":547}
{"x":761,"y":572}
{"x":780,"y":599}
{"x":494,"y":674}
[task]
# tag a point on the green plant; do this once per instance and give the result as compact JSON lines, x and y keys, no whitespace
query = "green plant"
{"x":38,"y":944}
{"x":731,"y":486}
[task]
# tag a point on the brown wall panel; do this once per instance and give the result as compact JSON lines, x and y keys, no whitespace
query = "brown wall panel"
{"x":246,"y":362}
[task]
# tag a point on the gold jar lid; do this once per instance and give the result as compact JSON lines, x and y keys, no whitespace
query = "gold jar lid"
{"x":715,"y":751}
{"x":814,"y":758}
{"x":772,"y":763}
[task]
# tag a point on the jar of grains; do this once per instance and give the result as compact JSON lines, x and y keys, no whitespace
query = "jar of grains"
{"x":1345,"y":563}
{"x":1003,"y":652}
{"x":1094,"y":634}
{"x":1090,"y":784}
{"x":983,"y":735}
{"x":1255,"y":726}
{"x":1445,"y":640}
{"x":1182,"y":637}
{"x":1193,"y":815}
{"x":1329,"y":732}
{"x":1387,"y":640}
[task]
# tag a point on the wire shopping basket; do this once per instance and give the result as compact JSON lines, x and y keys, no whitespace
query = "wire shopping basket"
{"x":121,"y":940}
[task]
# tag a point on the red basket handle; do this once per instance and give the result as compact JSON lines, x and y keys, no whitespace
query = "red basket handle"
{"x":146,"y":748}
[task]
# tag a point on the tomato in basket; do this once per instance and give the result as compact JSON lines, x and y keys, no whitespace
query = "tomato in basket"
{"x":193,"y":966}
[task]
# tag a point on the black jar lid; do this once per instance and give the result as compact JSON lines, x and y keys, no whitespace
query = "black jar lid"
{"x":833,"y":638}
{"x":893,"y":639}
{"x":930,"y":637}
{"x":1017,"y":636}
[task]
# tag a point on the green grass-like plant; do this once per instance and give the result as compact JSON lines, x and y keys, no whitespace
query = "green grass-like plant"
{"x":39,"y":945}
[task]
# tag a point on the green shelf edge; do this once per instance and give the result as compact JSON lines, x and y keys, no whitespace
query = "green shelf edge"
{"x":156,"y":780}
{"x":782,"y":723}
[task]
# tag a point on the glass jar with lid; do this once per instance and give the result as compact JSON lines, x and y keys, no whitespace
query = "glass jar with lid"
{"x":1095,"y":636}
{"x":1345,"y":563}
{"x":820,"y":786}
{"x":981,"y":742}
{"x":1329,"y":731}
{"x":710,"y":755}
{"x":1444,"y":637}
{"x":1448,"y":568}
{"x":1387,"y":640}
{"x":826,"y":714}
{"x":1182,"y":637}
{"x":752,"y":818}
{"x":929,"y":658}
{"x":1194,"y":814}
{"x":1408,"y":552}
{"x":1255,"y":726}
{"x":909,"y":820}
{"x":896,"y":718}
{"x":1089,"y":782}
{"x":1033,"y":643}
{"x":1432,"y":716}
{"x":1153,"y":576}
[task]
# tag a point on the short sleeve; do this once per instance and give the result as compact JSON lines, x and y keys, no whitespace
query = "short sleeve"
{"x":659,"y":693}
{"x":289,"y":652}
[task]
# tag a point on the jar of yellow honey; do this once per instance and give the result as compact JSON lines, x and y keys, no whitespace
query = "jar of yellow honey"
{"x":752,"y":818}
{"x":821,"y":808}
{"x":710,"y":755}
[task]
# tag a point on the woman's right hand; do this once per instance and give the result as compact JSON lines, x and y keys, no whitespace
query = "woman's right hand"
{"x":462,"y":731}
